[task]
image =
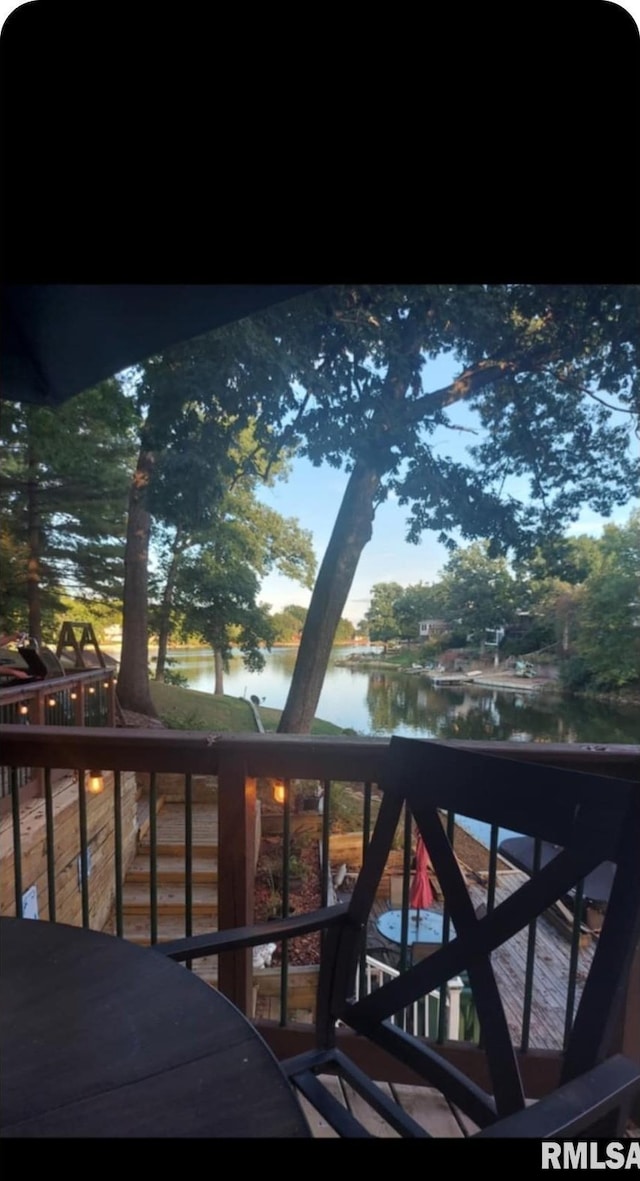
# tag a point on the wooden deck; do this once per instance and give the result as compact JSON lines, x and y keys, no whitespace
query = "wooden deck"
{"x":424,"y":1104}
{"x":550,"y":970}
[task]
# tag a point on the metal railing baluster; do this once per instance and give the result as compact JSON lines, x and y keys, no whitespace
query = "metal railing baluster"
{"x":51,"y":849}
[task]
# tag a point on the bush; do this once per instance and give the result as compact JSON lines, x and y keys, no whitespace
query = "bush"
{"x":575,"y":673}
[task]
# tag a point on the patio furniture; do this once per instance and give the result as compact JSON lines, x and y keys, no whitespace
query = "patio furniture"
{"x":594,"y":819}
{"x":100,"y":1038}
{"x":423,"y":926}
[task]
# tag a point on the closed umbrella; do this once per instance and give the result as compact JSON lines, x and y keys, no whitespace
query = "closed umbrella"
{"x":421,"y":896}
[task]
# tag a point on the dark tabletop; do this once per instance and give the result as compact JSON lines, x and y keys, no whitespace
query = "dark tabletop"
{"x":99,"y":1037}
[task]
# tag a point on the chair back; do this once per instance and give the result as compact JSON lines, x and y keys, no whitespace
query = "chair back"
{"x":589,"y":818}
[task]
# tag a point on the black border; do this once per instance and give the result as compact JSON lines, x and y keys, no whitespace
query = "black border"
{"x":185,"y":144}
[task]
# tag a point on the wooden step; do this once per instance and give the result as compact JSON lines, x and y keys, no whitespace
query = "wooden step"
{"x":170,"y":899}
{"x":170,"y":829}
{"x":171,"y":868}
{"x":176,"y":848}
{"x":137,"y":927}
{"x":143,"y":814}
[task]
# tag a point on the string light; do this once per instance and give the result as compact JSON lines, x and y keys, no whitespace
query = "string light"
{"x":52,"y":701}
{"x":92,"y":689}
{"x":73,"y":696}
{"x":279,"y":791}
{"x":94,"y":782}
{"x":23,"y":709}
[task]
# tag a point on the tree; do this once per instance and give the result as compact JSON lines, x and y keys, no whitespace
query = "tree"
{"x":265,"y":540}
{"x":241,"y":546}
{"x":63,"y":494}
{"x":381,"y":620}
{"x":479,"y":592}
{"x":286,"y":627}
{"x":608,"y":635}
{"x":217,"y":598}
{"x":551,"y":375}
{"x":415,"y":604}
{"x":195,"y":401}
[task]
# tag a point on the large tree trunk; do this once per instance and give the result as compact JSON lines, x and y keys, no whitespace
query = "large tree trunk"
{"x":165,"y":607}
{"x":133,"y":677}
{"x":351,"y":533}
{"x":218,"y":688}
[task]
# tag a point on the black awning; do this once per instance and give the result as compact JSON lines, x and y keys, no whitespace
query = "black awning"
{"x":520,"y":851}
{"x":60,"y":339}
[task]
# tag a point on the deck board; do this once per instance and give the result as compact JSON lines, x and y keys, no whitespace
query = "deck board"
{"x":428,"y":1108}
{"x":365,"y":1114}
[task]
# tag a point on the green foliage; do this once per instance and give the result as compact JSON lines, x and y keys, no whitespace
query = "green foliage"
{"x":63,"y":497}
{"x":608,"y":635}
{"x":345,"y":631}
{"x":575,"y":674}
{"x":286,"y":627}
{"x":381,"y":619}
{"x":478,"y":590}
{"x":415,"y":604}
{"x":550,"y":374}
{"x":172,"y":677}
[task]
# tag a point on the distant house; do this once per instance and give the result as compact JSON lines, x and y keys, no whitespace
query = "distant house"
{"x":429,"y":628}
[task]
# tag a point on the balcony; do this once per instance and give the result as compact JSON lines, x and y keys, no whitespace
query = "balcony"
{"x":74,"y":855}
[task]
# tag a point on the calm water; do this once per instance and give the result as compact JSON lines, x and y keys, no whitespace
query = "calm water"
{"x":385,"y":702}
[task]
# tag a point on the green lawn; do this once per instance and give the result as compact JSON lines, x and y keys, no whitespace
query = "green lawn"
{"x":189,"y":709}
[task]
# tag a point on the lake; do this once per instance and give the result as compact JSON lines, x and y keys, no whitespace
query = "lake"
{"x":384,"y":702}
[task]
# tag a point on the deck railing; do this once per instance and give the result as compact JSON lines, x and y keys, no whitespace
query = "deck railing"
{"x":82,"y":698}
{"x":242,"y":765}
{"x":423,"y":1016}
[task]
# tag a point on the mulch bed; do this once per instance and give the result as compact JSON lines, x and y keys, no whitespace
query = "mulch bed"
{"x":305,"y":893}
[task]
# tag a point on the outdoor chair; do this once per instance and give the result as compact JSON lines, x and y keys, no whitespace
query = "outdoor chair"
{"x":592,"y":818}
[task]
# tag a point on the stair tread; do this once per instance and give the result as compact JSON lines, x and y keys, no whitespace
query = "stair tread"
{"x":137,"y":927}
{"x":170,"y":897}
{"x":170,"y":825}
{"x":172,"y":868}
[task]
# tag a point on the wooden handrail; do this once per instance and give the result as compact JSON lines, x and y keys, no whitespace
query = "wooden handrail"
{"x":295,"y":756}
{"x":238,"y":760}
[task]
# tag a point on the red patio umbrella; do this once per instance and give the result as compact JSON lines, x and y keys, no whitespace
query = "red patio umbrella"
{"x":421,"y":896}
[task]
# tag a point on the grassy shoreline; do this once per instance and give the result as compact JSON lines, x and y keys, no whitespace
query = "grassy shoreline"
{"x":191,"y":709}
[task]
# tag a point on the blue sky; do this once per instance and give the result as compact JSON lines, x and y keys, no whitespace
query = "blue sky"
{"x":313,"y":496}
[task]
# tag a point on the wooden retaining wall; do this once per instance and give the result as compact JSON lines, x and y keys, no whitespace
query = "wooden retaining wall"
{"x":66,"y":820}
{"x":346,"y":848}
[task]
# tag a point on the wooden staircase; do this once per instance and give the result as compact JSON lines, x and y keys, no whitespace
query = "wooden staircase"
{"x":171,"y":878}
{"x":171,"y":900}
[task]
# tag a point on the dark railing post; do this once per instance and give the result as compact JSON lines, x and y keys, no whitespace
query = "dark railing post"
{"x":236,"y":873}
{"x":39,"y":720}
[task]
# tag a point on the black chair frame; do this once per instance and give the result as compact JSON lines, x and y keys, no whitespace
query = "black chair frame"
{"x":592,"y":819}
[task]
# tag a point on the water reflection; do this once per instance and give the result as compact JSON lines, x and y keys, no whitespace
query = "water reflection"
{"x":382,"y":702}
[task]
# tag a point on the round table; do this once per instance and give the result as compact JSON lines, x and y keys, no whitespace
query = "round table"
{"x":424,"y":926}
{"x":99,"y":1037}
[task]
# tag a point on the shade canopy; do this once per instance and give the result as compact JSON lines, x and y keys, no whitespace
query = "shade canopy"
{"x":421,"y":896}
{"x":60,"y":339}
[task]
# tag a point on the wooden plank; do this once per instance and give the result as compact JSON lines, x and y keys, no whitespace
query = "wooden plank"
{"x":428,"y":1108}
{"x":171,"y":898}
{"x":319,"y":1127}
{"x":137,"y":927}
{"x":365,"y":1115}
{"x":173,"y":868}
